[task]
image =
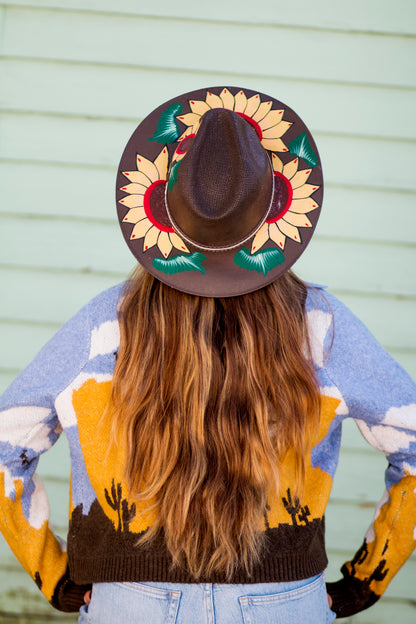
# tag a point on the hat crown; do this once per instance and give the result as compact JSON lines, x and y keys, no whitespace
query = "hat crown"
{"x":224,"y":183}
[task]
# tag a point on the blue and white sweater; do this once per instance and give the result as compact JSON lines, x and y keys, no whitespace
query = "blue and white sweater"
{"x":66,"y":389}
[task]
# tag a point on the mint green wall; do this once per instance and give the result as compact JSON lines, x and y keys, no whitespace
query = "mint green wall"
{"x":76,"y":77}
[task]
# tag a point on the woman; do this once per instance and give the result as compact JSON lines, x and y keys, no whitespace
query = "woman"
{"x":203,"y":400}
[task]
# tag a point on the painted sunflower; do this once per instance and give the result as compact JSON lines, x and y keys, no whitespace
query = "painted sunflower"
{"x":146,"y":200}
{"x":295,"y":202}
{"x":268,"y":123}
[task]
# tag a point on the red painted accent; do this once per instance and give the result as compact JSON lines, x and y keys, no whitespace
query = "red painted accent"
{"x":284,"y":149}
{"x":296,"y":160}
{"x":295,"y":237}
{"x":289,"y":197}
{"x":146,"y":247}
{"x":126,"y":173}
{"x":139,"y":159}
{"x":253,"y":248}
{"x":314,"y":206}
{"x":192,"y":102}
{"x":124,"y":188}
{"x":253,"y":123}
{"x":125,"y":219}
{"x":147,"y":209}
{"x":121,"y":201}
{"x":314,"y":188}
{"x":134,"y":236}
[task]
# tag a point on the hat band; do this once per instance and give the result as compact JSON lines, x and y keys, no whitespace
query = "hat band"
{"x":221,"y":247}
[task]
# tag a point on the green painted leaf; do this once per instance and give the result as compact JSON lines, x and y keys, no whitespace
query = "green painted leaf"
{"x":173,"y":175}
{"x":180,"y":263}
{"x":301,"y":147}
{"x":262,"y":261}
{"x":167,"y":130}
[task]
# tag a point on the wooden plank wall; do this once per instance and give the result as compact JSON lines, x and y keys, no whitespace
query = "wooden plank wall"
{"x":76,"y":78}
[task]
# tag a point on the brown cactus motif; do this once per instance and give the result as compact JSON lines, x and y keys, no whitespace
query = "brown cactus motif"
{"x":379,"y":573}
{"x":359,"y":557}
{"x":23,"y":456}
{"x":292,"y":507}
{"x":125,"y":513}
{"x":303,"y":515}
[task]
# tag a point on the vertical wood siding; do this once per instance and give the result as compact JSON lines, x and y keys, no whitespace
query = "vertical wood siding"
{"x":78,"y":75}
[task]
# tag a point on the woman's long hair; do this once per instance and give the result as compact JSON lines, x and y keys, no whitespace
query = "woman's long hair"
{"x":209,"y":394}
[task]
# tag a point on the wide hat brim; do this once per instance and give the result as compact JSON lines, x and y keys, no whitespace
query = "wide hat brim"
{"x":147,"y":167}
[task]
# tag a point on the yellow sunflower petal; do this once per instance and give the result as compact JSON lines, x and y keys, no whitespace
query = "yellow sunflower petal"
{"x":272,"y":118}
{"x":164,"y":244}
{"x":132,"y":201}
{"x":161,"y":163}
{"x":262,"y":111}
{"x":140,"y":228}
{"x":188,"y":131}
{"x":275,"y":132}
{"x":135,"y":215}
{"x":290,"y":168}
{"x":177,"y":242}
{"x":176,"y":158}
{"x":189,"y":119}
{"x":304,"y":191}
{"x":260,"y":238}
{"x":300,"y":220}
{"x":147,"y":167}
{"x":240,"y":102}
{"x":277,"y":163}
{"x":252,"y":105}
{"x":138,"y":177}
{"x":151,"y":238}
{"x":277,"y":236}
{"x":274,"y":145}
{"x":214,"y":101}
{"x":289,"y":230}
{"x":227,"y":99}
{"x":303,"y":205}
{"x":135,"y":189}
{"x":300,"y":178}
{"x":198,"y":107}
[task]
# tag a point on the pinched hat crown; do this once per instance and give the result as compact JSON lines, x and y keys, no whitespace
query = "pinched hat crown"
{"x":219,"y":191}
{"x":223,"y":188}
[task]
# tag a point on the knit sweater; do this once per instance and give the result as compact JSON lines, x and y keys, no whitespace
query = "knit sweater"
{"x":66,"y":389}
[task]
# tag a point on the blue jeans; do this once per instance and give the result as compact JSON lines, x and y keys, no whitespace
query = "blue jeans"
{"x":209,"y":603}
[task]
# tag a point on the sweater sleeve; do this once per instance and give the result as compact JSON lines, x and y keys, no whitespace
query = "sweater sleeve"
{"x":381,"y":398}
{"x":29,"y":426}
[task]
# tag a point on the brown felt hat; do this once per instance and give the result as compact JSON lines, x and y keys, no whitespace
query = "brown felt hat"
{"x":219,"y":191}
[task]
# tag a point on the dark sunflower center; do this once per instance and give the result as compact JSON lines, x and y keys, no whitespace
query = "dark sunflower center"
{"x":154,"y":206}
{"x":282,"y":197}
{"x":184,"y":145}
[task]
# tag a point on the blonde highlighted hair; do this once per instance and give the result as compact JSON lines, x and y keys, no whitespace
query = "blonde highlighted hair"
{"x":209,"y":395}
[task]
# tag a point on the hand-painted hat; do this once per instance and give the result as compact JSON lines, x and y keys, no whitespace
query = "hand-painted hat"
{"x":219,"y":191}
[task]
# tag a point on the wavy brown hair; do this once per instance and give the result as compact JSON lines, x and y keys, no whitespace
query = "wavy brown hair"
{"x":209,"y":394}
